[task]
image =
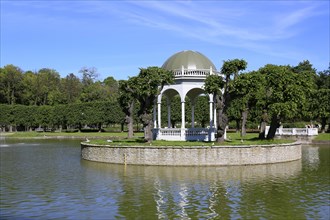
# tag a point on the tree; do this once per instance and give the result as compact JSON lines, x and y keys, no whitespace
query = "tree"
{"x":11,"y":84}
{"x":320,"y":104}
{"x":175,"y":104}
{"x":92,"y":90}
{"x":126,"y":101}
{"x":215,"y":85}
{"x":6,"y":117}
{"x":48,"y":86}
{"x":248,"y":90}
{"x":111,"y":86}
{"x":202,"y":116}
{"x":286,"y":94}
{"x":89,"y":75}
{"x":147,"y":86}
{"x":71,"y":88}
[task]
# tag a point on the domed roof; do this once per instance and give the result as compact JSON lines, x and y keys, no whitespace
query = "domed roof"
{"x":189,"y":59}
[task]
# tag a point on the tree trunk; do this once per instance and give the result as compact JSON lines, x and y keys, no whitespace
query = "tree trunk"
{"x":221,"y":126}
{"x":130,"y":121}
{"x":275,"y":123}
{"x":130,"y":126}
{"x":244,"y":119}
{"x":221,"y":120}
{"x":147,"y":121}
{"x":237,"y":125}
{"x":263,"y":124}
{"x":262,"y":130}
{"x":323,"y":124}
{"x":148,"y":137}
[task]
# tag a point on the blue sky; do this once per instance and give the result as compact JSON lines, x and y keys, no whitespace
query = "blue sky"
{"x":119,"y":37}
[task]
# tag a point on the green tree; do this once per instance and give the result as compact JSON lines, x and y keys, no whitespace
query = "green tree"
{"x":321,"y":106}
{"x":202,"y":116}
{"x":11,"y":84}
{"x":148,"y":85}
{"x":60,"y":114}
{"x":126,"y":102}
{"x":71,"y":88}
{"x":286,"y":94}
{"x":28,"y":81}
{"x":44,"y":117}
{"x":248,"y":90}
{"x":320,"y":102}
{"x":111,"y":87}
{"x":6,"y":117}
{"x":89,"y":75}
{"x":92,"y":90}
{"x":215,"y":85}
{"x":48,"y":86}
{"x":25,"y":116}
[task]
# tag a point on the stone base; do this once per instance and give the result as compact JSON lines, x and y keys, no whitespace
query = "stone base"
{"x":192,"y":156}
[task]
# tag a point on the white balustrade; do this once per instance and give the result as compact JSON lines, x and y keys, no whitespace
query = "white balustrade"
{"x":295,"y":131}
{"x":192,"y":134}
{"x":191,"y":72}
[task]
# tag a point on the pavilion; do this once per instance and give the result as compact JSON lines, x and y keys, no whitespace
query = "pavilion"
{"x":190,"y":69}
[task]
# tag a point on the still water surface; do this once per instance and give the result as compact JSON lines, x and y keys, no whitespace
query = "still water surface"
{"x":46,"y":179}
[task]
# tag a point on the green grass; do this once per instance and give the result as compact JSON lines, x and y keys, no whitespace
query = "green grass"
{"x":322,"y":137}
{"x":119,"y":138}
{"x":235,"y":139}
{"x":33,"y":134}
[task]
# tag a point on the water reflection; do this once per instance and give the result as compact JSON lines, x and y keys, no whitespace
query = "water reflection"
{"x":47,"y":179}
{"x":311,"y":157}
{"x":185,"y":192}
{"x":252,"y":173}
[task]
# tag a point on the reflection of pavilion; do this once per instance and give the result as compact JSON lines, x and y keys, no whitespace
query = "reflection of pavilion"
{"x":190,"y":69}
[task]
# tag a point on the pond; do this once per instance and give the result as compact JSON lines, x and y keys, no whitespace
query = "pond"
{"x":46,"y":179}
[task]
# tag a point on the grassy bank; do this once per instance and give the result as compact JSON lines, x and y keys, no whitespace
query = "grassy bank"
{"x":120,"y":138}
{"x":233,"y":139}
{"x":322,"y":137}
{"x":91,"y":135}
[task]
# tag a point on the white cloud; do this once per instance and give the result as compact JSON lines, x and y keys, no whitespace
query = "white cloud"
{"x":223,"y":24}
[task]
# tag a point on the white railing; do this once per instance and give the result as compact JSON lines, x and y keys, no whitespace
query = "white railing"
{"x":178,"y":134}
{"x":295,"y":131}
{"x":191,"y":72}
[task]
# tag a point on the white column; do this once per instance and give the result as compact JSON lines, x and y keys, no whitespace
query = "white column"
{"x":211,"y":113}
{"x":182,"y":70}
{"x":214,"y":116}
{"x":159,"y":114}
{"x":192,"y":114}
{"x":169,"y":113}
{"x":183,"y":122}
{"x":155,"y":115}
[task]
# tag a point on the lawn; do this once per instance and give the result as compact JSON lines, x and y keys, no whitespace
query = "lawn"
{"x":322,"y":137}
{"x":119,"y":138}
{"x":233,"y":139}
{"x":104,"y":135}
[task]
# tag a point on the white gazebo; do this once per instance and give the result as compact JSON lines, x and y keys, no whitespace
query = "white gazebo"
{"x":190,"y":69}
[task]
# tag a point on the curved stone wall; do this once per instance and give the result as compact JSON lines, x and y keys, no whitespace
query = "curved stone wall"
{"x":192,"y":156}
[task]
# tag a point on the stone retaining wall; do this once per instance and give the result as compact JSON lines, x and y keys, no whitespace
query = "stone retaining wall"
{"x":192,"y":156}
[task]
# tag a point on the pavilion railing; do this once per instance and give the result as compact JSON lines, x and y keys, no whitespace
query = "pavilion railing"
{"x":191,"y":134}
{"x":295,"y":131}
{"x":191,"y":72}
